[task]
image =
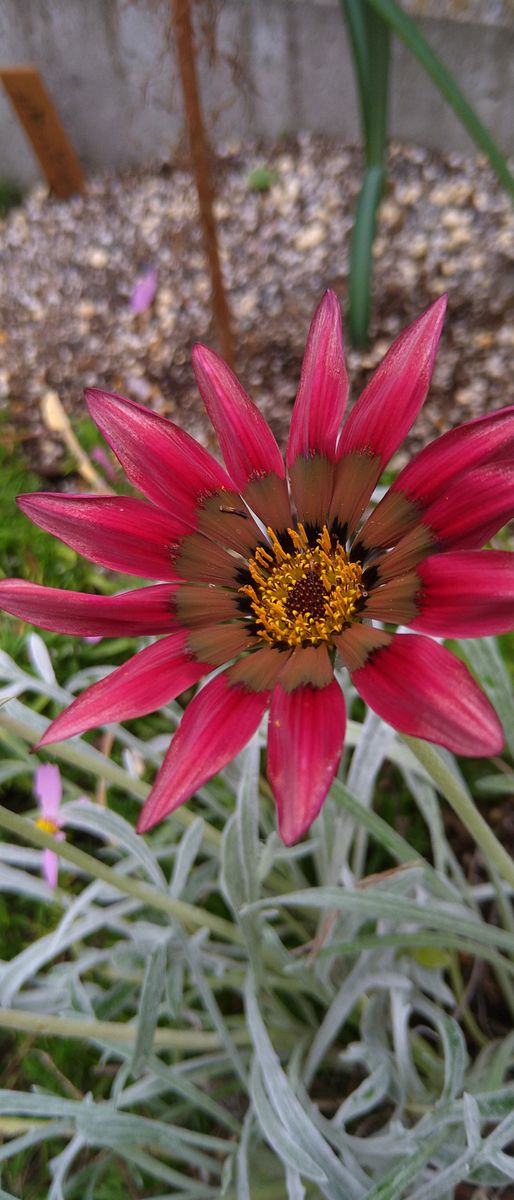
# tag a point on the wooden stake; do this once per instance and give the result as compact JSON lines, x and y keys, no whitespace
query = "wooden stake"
{"x":42,"y":124}
{"x":201,"y":163}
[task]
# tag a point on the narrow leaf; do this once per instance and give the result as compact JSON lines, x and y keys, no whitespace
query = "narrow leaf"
{"x":151,"y":994}
{"x":187,"y":851}
{"x":361,"y":254}
{"x":406,"y":29}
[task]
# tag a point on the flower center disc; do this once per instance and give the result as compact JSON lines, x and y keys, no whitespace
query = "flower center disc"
{"x":47,"y":825}
{"x":303,"y":596}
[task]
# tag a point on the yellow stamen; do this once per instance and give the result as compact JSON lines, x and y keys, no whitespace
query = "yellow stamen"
{"x":46,"y":825}
{"x":307,"y":595}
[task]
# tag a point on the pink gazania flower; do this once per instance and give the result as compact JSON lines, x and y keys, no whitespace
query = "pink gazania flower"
{"x":276,"y":584}
{"x":48,"y":793}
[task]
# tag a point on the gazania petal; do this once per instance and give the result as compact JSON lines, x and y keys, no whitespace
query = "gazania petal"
{"x":466,"y":594}
{"x":383,"y":415}
{"x":411,"y":549}
{"x":323,"y":391}
{"x":116,"y":531}
{"x":216,"y":725}
{"x":307,"y":665}
{"x":160,"y":459}
{"x":394,"y":517}
{"x":259,"y":672}
{"x":201,"y":561}
{"x":268,"y":497}
{"x":246,"y":440}
{"x":392,"y":399}
{"x":147,"y":610}
{"x":306,"y":732}
{"x":224,"y":519}
{"x":145,"y":682}
{"x":355,"y":478}
{"x":395,"y":601}
{"x":421,"y":689}
{"x":473,"y":507}
{"x":485,"y":440}
{"x":312,"y":485}
{"x":467,"y":512}
{"x":358,"y":643}
{"x":479,"y":443}
{"x":199,"y":605}
{"x":216,"y":644}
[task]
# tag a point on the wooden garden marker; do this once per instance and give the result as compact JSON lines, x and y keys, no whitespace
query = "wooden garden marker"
{"x":37,"y":115}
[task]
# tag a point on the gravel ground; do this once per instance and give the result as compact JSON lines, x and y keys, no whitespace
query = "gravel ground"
{"x":69,"y":269}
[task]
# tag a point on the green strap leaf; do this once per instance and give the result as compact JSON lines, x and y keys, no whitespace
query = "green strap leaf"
{"x":354,"y":15}
{"x":361,"y":262}
{"x":369,"y":38}
{"x":406,"y":29}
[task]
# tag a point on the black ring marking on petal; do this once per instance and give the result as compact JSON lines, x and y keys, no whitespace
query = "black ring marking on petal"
{"x":312,"y":532}
{"x":285,"y":540}
{"x":339,"y":531}
{"x":370,"y":575}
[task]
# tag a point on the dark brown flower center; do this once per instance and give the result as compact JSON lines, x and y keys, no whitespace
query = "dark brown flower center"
{"x":303,"y":596}
{"x":307,"y":596}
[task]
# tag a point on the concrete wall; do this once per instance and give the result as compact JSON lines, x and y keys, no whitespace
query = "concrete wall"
{"x":279,"y":66}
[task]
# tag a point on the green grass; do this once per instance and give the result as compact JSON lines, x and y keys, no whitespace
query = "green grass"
{"x":29,"y":553}
{"x":261,"y":179}
{"x":11,"y":195}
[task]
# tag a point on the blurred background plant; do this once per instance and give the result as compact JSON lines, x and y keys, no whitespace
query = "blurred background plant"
{"x":11,"y":195}
{"x":370,"y":24}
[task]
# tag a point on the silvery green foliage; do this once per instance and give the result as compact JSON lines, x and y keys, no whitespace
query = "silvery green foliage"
{"x":311,"y":1046}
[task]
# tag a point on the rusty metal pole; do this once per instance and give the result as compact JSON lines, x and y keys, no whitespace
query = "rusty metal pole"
{"x":201,"y":164}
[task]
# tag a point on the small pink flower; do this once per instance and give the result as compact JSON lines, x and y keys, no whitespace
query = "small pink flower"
{"x":144,"y":291}
{"x":48,"y":792}
{"x":99,"y":456}
{"x":324,"y":584}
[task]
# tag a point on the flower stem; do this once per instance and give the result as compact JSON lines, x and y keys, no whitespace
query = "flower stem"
{"x":113,"y":1031}
{"x":462,"y":804}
